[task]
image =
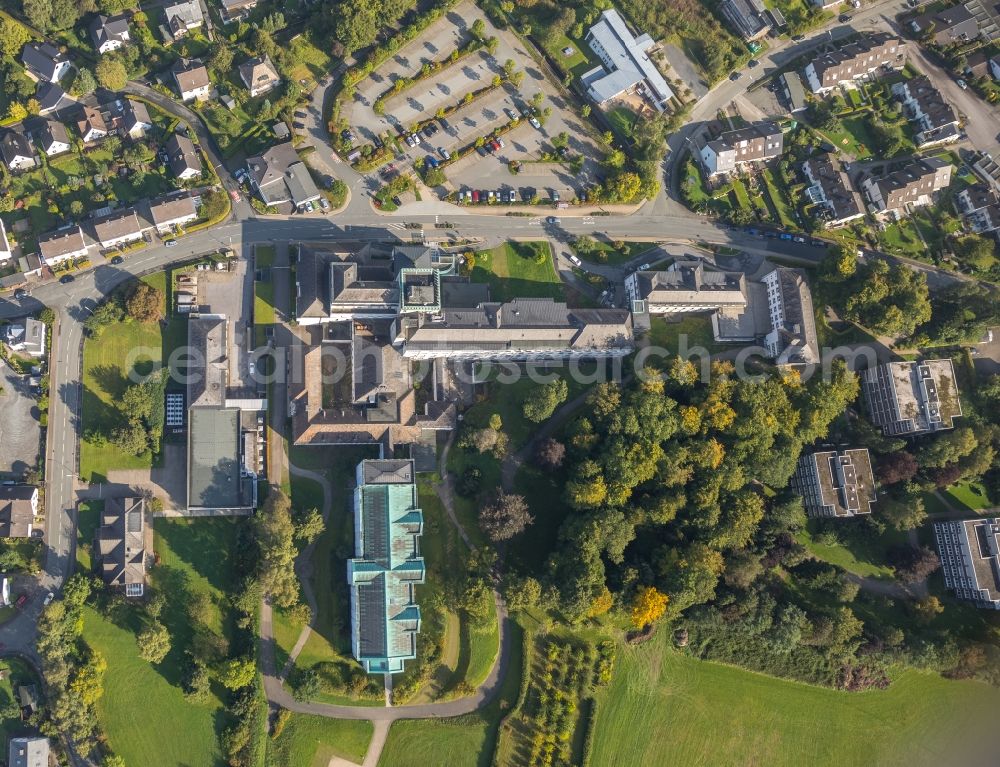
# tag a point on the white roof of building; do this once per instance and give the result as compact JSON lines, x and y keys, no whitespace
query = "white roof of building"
{"x":628,"y":55}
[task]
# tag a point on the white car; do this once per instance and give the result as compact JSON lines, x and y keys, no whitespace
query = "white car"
{"x":574,"y":259}
{"x":48,"y":599}
{"x":963,"y":85}
{"x":643,"y":268}
{"x":534,"y":122}
{"x":169,"y":243}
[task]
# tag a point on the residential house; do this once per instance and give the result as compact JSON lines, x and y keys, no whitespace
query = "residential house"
{"x":62,"y":245}
{"x":135,"y":119}
{"x":51,"y":98}
{"x":6,"y":252}
{"x":830,"y":188}
{"x":119,"y":227}
{"x":171,"y":211}
{"x":792,"y":337}
{"x":980,"y":206}
{"x":388,"y":523}
{"x":279,"y":176}
{"x":183,"y":157}
{"x":854,"y":61}
{"x":91,"y":125}
{"x":735,"y":149}
{"x":28,"y":752}
{"x":836,"y":483}
{"x":912,"y":185}
{"x":233,"y":10}
{"x":935,"y":122}
{"x":18,"y":508}
{"x":109,"y":33}
{"x":627,"y":67}
{"x":977,"y":65}
{"x":181,"y":18}
{"x":970,"y":559}
{"x":191,"y":77}
{"x":121,"y":544}
{"x":907,"y":398}
{"x":951,"y":26}
{"x":16,"y":150}
{"x":259,"y":75}
{"x":26,"y":336}
{"x":748,"y":18}
{"x":994,"y":64}
{"x":53,"y":139}
{"x":44,"y":61}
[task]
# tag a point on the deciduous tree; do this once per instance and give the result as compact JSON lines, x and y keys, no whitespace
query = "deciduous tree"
{"x":505,"y":517}
{"x":648,"y":607}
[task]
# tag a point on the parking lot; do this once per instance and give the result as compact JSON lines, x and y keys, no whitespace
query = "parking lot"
{"x":20,"y":433}
{"x":479,"y":118}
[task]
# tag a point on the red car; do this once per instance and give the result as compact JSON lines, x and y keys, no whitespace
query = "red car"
{"x":475,"y":195}
{"x":496,"y":146}
{"x":20,"y":601}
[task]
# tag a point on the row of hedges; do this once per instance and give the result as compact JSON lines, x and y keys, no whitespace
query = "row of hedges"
{"x":428,"y":70}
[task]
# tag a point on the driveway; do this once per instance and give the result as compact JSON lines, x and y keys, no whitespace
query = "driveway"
{"x":168,"y":482}
{"x":20,"y":434}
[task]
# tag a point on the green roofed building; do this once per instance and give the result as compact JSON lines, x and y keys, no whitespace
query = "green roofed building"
{"x":385,"y":617}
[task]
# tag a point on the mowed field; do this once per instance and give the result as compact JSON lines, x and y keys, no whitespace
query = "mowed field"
{"x":665,"y":708}
{"x":143,"y":711}
{"x":310,"y":741}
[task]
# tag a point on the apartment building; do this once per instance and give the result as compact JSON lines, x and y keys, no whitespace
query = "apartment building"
{"x":970,"y":559}
{"x":121,"y":544}
{"x":627,"y":67}
{"x":792,"y":337}
{"x":854,"y":61}
{"x":934,"y":120}
{"x":908,"y":398}
{"x":831,"y":189}
{"x":734,"y":149}
{"x":910,"y":186}
{"x":836,"y":483}
{"x":388,"y":523}
{"x":685,"y":287}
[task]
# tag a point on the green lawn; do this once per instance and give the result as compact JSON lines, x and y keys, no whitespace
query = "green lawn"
{"x":782,"y":205}
{"x":969,"y":495}
{"x":511,"y":271}
{"x":605,"y":252}
{"x":105,"y":378}
{"x":310,"y":741}
{"x":622,"y":120}
{"x":465,"y":741}
{"x":854,"y":138}
{"x":194,"y":556}
{"x":88,"y":520}
{"x":711,"y":714}
{"x":862,"y":556}
{"x":697,"y":328}
{"x":742,"y":198}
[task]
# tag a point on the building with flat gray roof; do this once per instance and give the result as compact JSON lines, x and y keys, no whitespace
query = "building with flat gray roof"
{"x":906,"y":398}
{"x":388,"y":523}
{"x":627,"y":66}
{"x":28,"y":752}
{"x":970,"y":559}
{"x":836,"y":483}
{"x":216,"y":479}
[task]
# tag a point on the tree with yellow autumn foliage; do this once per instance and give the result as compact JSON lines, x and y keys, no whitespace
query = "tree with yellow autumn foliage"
{"x":648,"y":607}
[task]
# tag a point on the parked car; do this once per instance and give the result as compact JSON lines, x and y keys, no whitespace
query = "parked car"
{"x":492,"y":196}
{"x":500,"y":142}
{"x":431,"y":160}
{"x":799,"y":239}
{"x":512,"y":195}
{"x":444,"y":153}
{"x":347,"y":135}
{"x":753,"y":63}
{"x":48,"y":599}
{"x":482,"y":151}
{"x":169,"y":243}
{"x":497,"y":146}
{"x":323,"y":203}
{"x":534,"y":122}
{"x":551,"y":220}
{"x":798,"y":38}
{"x":511,"y":115}
{"x":785,"y":236}
{"x":409,"y":140}
{"x":416,"y":138}
{"x":117,"y":260}
{"x":643,"y":267}
{"x":396,"y":201}
{"x":20,"y":293}
{"x":66,"y":279}
{"x":20,"y":601}
{"x":379,"y":143}
{"x":844,"y":18}
{"x":235,"y":195}
{"x":555,"y":196}
{"x":310,"y":207}
{"x":475,"y":196}
{"x":734,"y":76}
{"x":575,"y":260}
{"x":962,"y":84}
